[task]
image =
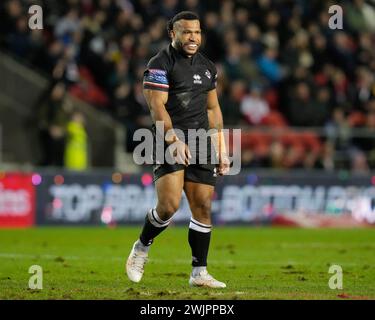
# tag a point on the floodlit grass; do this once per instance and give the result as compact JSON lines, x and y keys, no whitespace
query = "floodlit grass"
{"x":256,"y":263}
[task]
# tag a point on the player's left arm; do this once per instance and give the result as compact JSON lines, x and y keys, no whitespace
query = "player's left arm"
{"x":215,"y":120}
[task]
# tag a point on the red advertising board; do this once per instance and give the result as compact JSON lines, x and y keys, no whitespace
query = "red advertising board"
{"x":17,"y":200}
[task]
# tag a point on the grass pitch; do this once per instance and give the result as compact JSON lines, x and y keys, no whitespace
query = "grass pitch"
{"x":256,"y":263}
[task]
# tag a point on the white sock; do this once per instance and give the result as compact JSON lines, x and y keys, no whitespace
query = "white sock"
{"x":197,"y":270}
{"x":141,"y":247}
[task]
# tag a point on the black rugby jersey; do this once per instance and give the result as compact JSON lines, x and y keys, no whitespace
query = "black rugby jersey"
{"x":187,"y":81}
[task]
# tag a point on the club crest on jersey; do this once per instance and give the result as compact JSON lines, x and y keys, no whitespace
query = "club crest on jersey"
{"x":208,"y":74}
{"x":197,"y":79}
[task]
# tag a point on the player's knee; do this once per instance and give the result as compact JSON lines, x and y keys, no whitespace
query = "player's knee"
{"x":167,"y":209}
{"x":203,"y":209}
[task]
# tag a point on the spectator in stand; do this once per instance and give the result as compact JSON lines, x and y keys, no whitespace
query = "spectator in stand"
{"x":19,"y":41}
{"x":277,"y":155}
{"x":212,"y":37}
{"x":327,"y":161}
{"x":67,"y":26}
{"x":231,"y":103}
{"x":253,"y":40}
{"x":53,"y":115}
{"x":343,"y":53}
{"x":301,"y":100}
{"x":364,"y":88}
{"x":338,"y":130}
{"x":237,"y":65}
{"x":359,"y":163}
{"x":76,"y":146}
{"x":270,"y":67}
{"x":254,"y":107}
{"x":360,"y":16}
{"x":248,"y":159}
{"x":11,"y":11}
{"x":366,"y":143}
{"x":120,"y":74}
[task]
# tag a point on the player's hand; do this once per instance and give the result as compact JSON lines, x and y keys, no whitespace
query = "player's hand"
{"x":181,"y":152}
{"x":224,"y":164}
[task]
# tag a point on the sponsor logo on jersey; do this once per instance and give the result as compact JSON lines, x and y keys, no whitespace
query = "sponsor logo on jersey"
{"x":197,"y":79}
{"x":156,"y":78}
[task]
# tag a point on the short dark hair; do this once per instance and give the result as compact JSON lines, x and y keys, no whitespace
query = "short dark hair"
{"x":183,"y":15}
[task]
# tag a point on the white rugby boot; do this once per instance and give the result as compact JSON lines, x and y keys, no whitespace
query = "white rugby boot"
{"x":135,"y":264}
{"x":204,"y":279}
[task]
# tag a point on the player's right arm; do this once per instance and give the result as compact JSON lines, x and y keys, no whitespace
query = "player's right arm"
{"x":155,"y":89}
{"x":156,"y":101}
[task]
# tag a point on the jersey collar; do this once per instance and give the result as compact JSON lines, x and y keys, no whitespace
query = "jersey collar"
{"x":179,"y":55}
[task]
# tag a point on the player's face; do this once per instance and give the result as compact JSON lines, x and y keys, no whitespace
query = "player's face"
{"x":187,"y":36}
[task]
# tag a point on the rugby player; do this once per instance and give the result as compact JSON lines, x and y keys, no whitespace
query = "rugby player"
{"x":180,"y":88}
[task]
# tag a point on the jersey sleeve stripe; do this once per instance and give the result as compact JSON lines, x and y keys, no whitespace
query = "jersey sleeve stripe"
{"x":159,"y":85}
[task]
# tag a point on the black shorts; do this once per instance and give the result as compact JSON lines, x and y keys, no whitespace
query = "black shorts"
{"x":196,"y":172}
{"x":200,"y":173}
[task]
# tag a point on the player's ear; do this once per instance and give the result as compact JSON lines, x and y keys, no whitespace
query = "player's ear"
{"x":170,"y":28}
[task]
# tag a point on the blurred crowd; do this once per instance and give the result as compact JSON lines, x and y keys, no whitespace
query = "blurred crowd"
{"x":280,"y":66}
